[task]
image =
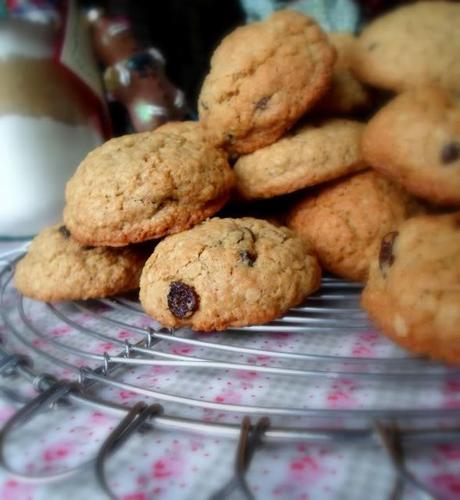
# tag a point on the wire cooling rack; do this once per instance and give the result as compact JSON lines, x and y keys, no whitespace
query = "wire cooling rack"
{"x":80,"y":352}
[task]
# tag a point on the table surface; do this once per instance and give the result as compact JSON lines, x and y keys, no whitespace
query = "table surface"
{"x":171,"y":465}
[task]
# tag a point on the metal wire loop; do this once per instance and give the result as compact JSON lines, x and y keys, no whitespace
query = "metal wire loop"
{"x":48,"y":397}
{"x":82,"y":373}
{"x":8,"y":259}
{"x":148,"y":337}
{"x":105,"y":369}
{"x":6,"y":266}
{"x":250,"y":439}
{"x":391,"y":439}
{"x":44,"y":381}
{"x":9,"y":364}
{"x":308,"y":318}
{"x":128,"y":349}
{"x":133,"y":422}
{"x":8,"y":368}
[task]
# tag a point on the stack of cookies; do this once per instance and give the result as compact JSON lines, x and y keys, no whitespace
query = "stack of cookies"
{"x":280,"y":104}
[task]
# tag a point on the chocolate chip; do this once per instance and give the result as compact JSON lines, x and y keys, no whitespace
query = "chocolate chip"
{"x":64,"y":231}
{"x":183,"y":300}
{"x":386,"y":256}
{"x":248,"y":258}
{"x":261,"y":104}
{"x":450,"y":152}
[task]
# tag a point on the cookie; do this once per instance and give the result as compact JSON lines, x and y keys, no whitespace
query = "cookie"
{"x":415,"y":139}
{"x":346,"y":94}
{"x":144,"y":186}
{"x":227,"y":272}
{"x":263,"y":78}
{"x":413,"y":292}
{"x":58,"y":268}
{"x":308,"y":156}
{"x":345,"y":220}
{"x":413,"y":45}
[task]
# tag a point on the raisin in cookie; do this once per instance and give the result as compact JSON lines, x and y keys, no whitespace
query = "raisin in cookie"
{"x":346,"y":94}
{"x":413,"y":45}
{"x":415,"y":139}
{"x":263,"y":78}
{"x":413,"y":292}
{"x":308,"y":156}
{"x":144,"y":186}
{"x":227,"y":272}
{"x":58,"y":268}
{"x":345,"y":220}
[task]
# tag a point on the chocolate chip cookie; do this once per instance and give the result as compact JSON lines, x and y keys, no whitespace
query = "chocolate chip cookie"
{"x":227,"y":272}
{"x":415,"y":140}
{"x":413,"y":292}
{"x":413,"y":45}
{"x":144,"y":186}
{"x":263,"y":78}
{"x":308,"y":156}
{"x":58,"y":268}
{"x":345,"y":220}
{"x":346,"y":94}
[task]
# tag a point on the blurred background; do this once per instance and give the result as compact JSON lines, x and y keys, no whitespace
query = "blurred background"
{"x":187,"y":31}
{"x":75,"y":73}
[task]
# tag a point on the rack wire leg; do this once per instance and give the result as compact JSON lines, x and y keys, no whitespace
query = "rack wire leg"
{"x":391,"y":440}
{"x":250,"y":439}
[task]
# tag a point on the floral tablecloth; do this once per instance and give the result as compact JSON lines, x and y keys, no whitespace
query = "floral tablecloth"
{"x":171,"y":465}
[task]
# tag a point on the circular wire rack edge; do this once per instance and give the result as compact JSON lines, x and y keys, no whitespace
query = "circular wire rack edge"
{"x":380,"y":426}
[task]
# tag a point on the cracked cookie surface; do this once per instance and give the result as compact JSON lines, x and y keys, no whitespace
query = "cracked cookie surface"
{"x":415,"y":140}
{"x":227,"y":272}
{"x":413,"y":291}
{"x":308,"y":156}
{"x":144,"y":186}
{"x":58,"y":268}
{"x":263,"y":78}
{"x":345,"y":220}
{"x":410,"y":46}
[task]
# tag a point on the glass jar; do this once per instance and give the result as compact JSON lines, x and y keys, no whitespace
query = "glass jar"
{"x":47,"y":125}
